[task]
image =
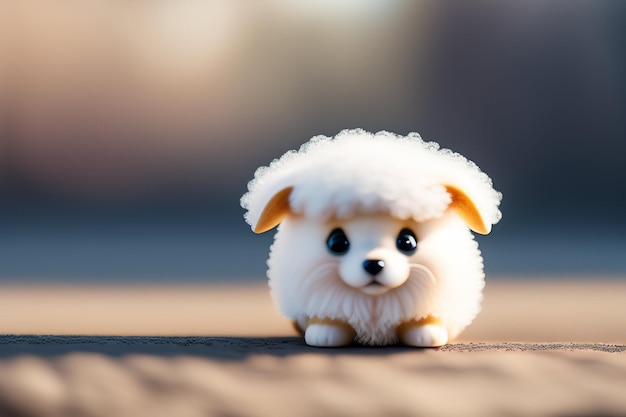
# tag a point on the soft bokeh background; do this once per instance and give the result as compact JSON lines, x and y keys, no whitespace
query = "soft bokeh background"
{"x":129,"y":129}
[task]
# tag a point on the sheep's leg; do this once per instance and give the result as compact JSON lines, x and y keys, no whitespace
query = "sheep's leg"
{"x":328,"y":333}
{"x":425,"y":332}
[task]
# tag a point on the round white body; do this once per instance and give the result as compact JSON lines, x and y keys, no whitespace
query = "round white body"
{"x":443,"y":279}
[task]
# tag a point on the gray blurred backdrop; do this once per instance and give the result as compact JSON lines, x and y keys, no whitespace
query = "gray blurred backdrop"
{"x":129,"y":129}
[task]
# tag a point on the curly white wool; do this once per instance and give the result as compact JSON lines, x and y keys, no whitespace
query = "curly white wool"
{"x":360,"y":172}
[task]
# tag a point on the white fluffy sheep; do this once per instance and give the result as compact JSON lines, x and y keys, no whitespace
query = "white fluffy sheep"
{"x":373,"y":243}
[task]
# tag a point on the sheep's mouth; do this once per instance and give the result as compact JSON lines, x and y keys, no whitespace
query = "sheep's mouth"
{"x":375,"y":288}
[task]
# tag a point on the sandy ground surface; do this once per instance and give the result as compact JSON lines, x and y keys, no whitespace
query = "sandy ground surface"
{"x":540,"y":347}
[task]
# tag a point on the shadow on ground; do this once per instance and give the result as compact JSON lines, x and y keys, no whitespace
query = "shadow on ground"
{"x":240,"y":348}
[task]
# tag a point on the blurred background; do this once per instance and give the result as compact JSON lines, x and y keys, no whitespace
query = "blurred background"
{"x":129,"y":129}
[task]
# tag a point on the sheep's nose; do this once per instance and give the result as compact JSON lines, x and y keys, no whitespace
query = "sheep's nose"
{"x":373,"y":266}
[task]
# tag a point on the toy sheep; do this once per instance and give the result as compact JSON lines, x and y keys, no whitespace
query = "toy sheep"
{"x":373,"y":244}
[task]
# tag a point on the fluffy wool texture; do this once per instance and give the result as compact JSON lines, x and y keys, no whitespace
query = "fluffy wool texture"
{"x":361,"y":172}
{"x":339,"y":181}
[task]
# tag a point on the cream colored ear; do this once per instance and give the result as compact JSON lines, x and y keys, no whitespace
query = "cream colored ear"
{"x":466,"y":209}
{"x":274,"y":212}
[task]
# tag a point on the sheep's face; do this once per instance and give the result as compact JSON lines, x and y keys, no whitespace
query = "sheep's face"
{"x":374,"y":252}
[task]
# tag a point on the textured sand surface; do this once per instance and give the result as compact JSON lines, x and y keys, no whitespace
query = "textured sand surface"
{"x":538,"y":348}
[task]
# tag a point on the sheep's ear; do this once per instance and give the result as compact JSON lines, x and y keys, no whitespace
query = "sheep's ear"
{"x":466,"y":209}
{"x":274,"y":212}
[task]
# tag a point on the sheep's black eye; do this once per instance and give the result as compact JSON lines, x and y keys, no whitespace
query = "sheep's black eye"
{"x":407,"y":242}
{"x":338,"y":242}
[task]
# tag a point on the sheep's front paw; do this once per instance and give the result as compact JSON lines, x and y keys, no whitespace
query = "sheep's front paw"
{"x":328,"y":335}
{"x":428,"y":335}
